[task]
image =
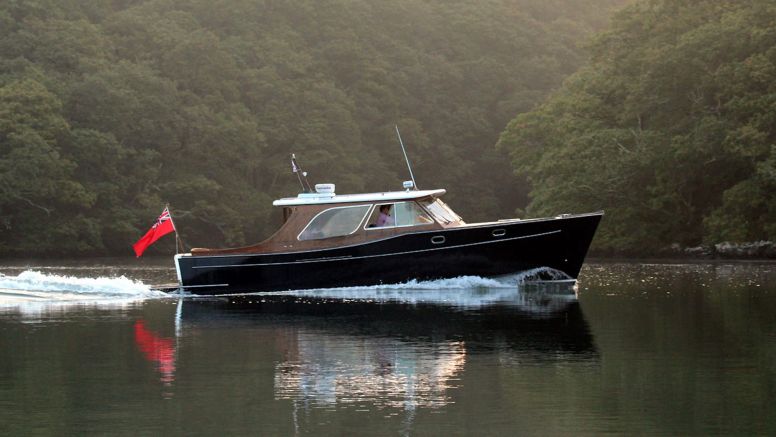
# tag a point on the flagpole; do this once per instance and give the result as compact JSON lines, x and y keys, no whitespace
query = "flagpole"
{"x":177,"y":238}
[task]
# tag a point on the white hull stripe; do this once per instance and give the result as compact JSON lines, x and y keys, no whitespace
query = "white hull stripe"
{"x":207,"y":285}
{"x":343,"y":258}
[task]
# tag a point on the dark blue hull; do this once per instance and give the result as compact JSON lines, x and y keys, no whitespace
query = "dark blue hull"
{"x":491,"y":249}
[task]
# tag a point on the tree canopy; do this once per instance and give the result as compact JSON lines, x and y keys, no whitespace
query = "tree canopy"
{"x":670,"y":127}
{"x":109,"y":109}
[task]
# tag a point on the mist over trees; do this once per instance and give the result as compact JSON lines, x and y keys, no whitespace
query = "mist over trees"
{"x":670,"y":127}
{"x":109,"y":109}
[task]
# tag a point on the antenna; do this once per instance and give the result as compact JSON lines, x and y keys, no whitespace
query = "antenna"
{"x":405,"y":157}
{"x":300,"y":174}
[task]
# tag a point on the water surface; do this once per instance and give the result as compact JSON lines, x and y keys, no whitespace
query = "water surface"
{"x":634,"y":348}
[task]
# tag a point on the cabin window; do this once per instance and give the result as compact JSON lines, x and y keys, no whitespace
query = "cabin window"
{"x":442,"y":212}
{"x":334,"y":222}
{"x":389,"y":215}
{"x":411,"y":214}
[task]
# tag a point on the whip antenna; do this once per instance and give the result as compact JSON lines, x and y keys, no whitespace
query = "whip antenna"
{"x":405,"y":157}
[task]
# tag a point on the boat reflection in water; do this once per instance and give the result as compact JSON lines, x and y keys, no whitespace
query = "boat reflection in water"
{"x":401,"y":348}
{"x":378,"y":372}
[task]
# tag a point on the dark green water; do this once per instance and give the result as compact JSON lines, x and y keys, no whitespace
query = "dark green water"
{"x":660,"y":349}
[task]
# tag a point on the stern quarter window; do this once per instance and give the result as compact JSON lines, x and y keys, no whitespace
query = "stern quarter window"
{"x":334,"y":222}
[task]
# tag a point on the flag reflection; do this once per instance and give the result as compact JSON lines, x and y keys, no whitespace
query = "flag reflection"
{"x":157,"y":350}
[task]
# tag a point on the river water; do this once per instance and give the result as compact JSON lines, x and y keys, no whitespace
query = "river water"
{"x":632,"y":349}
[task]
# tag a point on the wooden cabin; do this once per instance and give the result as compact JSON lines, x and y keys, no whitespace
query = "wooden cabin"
{"x":323,"y":219}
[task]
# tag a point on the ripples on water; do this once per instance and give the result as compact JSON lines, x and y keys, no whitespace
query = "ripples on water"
{"x":634,"y":348}
{"x":372,"y":355}
{"x":643,"y":278}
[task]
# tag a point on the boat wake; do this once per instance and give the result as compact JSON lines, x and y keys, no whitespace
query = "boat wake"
{"x":35,"y":291}
{"x":464,"y":291}
{"x":34,"y":286}
{"x":467,"y":282}
{"x":541,"y":274}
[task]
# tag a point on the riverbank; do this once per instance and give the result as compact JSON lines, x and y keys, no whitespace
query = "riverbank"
{"x":754,"y":251}
{"x":765,"y":250}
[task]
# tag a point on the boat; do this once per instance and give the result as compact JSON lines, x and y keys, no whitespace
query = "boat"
{"x":329,"y":240}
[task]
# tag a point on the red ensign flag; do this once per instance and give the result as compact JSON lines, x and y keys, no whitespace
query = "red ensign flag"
{"x":162,"y":227}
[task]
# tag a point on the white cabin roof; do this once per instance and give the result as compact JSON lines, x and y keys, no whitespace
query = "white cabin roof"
{"x":324,"y":198}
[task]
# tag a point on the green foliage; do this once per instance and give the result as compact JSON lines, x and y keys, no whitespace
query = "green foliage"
{"x":670,"y":128}
{"x":109,"y":109}
{"x":36,"y":181}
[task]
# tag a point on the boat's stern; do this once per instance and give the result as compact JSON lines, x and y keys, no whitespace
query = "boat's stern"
{"x":177,"y":260}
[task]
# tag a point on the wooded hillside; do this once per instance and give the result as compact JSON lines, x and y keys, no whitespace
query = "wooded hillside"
{"x":671,"y":128}
{"x":109,"y":109}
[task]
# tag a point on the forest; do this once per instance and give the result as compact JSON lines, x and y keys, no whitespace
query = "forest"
{"x":670,"y":127}
{"x":111,"y":109}
{"x":659,"y":112}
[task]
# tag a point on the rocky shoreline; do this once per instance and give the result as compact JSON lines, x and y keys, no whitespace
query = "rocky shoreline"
{"x":726,"y":250}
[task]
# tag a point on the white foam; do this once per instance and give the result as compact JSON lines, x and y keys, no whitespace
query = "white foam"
{"x":473,"y":282}
{"x":32,"y":285}
{"x":463,"y":282}
{"x":463,"y":291}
